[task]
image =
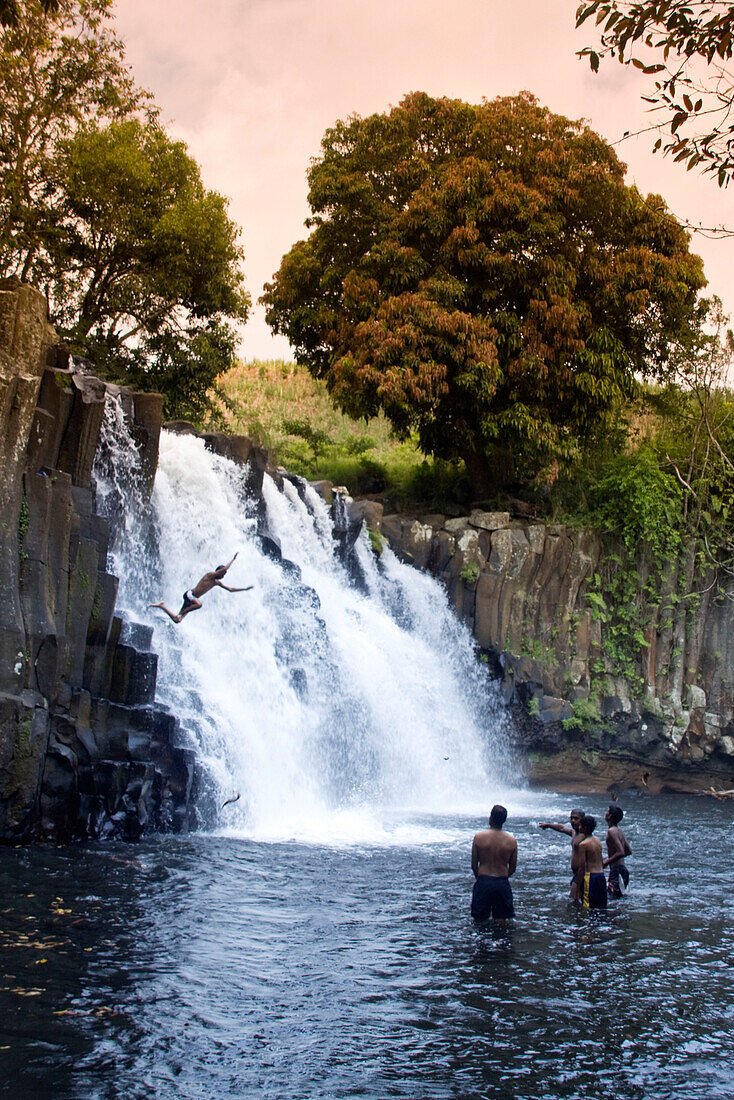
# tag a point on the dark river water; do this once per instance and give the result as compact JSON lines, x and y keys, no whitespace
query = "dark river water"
{"x":215,"y":966}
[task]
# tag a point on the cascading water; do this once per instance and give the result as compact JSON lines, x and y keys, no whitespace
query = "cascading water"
{"x":327,"y":707}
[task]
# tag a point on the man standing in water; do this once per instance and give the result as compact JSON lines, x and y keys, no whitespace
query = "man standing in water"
{"x":191,"y":600}
{"x":590,"y":876}
{"x":574,"y":831}
{"x":493,"y":860}
{"x":617,"y":849}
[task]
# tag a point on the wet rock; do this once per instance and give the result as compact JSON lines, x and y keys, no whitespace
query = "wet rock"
{"x":367,"y":511}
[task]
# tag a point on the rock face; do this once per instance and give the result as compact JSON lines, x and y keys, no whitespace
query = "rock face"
{"x":522,"y":589}
{"x":84,"y":752}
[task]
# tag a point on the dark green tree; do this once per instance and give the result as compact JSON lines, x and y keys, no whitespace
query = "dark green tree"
{"x":106,"y":214}
{"x":484,"y":275}
{"x":58,"y":71}
{"x":144,"y":268}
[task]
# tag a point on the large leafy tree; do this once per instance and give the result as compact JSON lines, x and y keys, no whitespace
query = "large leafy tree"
{"x":685,"y":47}
{"x":484,"y":275}
{"x":108,"y":215}
{"x":59,"y":70}
{"x":144,"y":266}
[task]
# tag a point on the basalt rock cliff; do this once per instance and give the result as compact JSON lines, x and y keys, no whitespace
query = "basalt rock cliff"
{"x":523,"y":588}
{"x":84,"y":750}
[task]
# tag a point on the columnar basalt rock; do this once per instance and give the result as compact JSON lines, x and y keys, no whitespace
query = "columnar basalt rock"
{"x":84,"y":752}
{"x":521,"y":587}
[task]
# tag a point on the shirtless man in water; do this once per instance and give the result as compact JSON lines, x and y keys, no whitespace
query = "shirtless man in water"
{"x":590,"y":875}
{"x":617,"y":849}
{"x":191,"y":601}
{"x":574,"y":831}
{"x":493,"y":860}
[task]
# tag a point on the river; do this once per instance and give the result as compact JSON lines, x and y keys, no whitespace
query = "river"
{"x":226,"y":966}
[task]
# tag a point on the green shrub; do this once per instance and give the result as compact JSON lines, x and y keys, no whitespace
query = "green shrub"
{"x":638,"y":502}
{"x":585,"y":715}
{"x":470,"y":572}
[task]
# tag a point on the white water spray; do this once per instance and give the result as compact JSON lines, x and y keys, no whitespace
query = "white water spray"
{"x":328,"y":708}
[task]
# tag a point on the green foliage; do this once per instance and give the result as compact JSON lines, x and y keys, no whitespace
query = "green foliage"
{"x":58,"y":72}
{"x":316,"y":439}
{"x":483,"y":275}
{"x":674,"y":41}
{"x":533,"y":706}
{"x":639,"y":509}
{"x":146,"y":276}
{"x":586,"y":715}
{"x":10,"y":11}
{"x":639,"y":503}
{"x":286,"y":410}
{"x":377,"y":542}
{"x":470,"y":573}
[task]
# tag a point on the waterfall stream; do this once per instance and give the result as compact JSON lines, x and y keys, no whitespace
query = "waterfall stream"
{"x":332,"y":709}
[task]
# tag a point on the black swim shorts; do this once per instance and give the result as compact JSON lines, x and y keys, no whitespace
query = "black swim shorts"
{"x":593,"y":893}
{"x":492,"y":897}
{"x":618,"y":871}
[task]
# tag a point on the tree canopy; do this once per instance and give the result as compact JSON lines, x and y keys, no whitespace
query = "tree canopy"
{"x":107,"y":215}
{"x":145,"y":264}
{"x":483,"y":275}
{"x":685,"y":47}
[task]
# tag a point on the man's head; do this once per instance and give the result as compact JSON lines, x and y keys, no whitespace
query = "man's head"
{"x":588,"y":824}
{"x":220,"y":570}
{"x":614,"y":815}
{"x":575,"y":818}
{"x":497,"y":817}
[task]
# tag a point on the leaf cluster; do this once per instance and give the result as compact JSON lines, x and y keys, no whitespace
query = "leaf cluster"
{"x":10,"y":11}
{"x":686,"y":46}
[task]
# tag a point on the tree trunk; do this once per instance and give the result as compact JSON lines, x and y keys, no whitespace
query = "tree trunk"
{"x":480,"y":472}
{"x":489,"y":471}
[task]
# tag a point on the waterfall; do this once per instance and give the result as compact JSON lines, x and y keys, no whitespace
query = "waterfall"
{"x":326,"y":706}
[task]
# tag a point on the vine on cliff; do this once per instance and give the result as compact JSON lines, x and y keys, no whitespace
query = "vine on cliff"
{"x":637,"y":507}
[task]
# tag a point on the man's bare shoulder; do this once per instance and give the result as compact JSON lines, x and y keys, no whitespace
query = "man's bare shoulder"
{"x":494,"y":837}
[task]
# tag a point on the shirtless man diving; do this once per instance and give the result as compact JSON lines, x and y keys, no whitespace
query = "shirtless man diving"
{"x":191,"y":600}
{"x":493,"y":860}
{"x":590,"y":875}
{"x":574,"y":831}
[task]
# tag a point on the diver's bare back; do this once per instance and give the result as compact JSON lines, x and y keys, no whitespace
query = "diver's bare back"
{"x":495,"y":850}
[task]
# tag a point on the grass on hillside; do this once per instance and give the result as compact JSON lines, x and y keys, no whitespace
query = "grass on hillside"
{"x":284,"y":409}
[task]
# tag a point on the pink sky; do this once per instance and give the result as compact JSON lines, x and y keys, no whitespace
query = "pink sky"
{"x":251,"y":85}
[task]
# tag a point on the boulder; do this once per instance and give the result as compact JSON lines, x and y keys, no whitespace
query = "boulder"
{"x":324,"y":489}
{"x":489,"y":521}
{"x":369,"y":511}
